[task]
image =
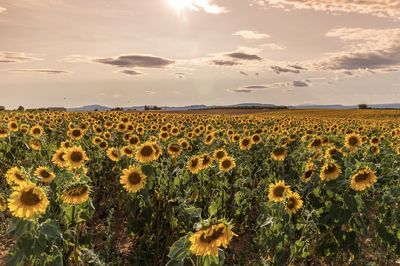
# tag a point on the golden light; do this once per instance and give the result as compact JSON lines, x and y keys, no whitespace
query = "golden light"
{"x":180,"y":5}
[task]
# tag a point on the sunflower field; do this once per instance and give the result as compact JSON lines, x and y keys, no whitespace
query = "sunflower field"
{"x":148,"y":188}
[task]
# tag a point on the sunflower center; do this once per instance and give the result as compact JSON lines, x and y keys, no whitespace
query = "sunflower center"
{"x":256,"y":138}
{"x":353,"y":141}
{"x":36,"y":131}
{"x":330,"y":169}
{"x":76,"y":133}
{"x":146,"y":151}
{"x":206,"y":160}
{"x":308,"y":174}
{"x":220,"y":154}
{"x":215,"y":235}
{"x":226,"y":163}
{"x":291,"y":203}
{"x":44,"y":174}
{"x":279,"y":151}
{"x":278,"y":191}
{"x":246,"y":142}
{"x":361,"y":177}
{"x":76,"y":156}
{"x":194,"y":162}
{"x":134,"y":178}
{"x":19,"y":176}
{"x":29,"y":198}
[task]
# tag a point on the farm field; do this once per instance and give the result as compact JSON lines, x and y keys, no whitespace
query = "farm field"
{"x":224,"y":187}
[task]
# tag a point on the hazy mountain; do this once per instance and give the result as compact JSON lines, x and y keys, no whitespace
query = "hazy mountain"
{"x":89,"y":108}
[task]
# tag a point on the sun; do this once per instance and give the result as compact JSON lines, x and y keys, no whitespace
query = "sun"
{"x":180,"y":5}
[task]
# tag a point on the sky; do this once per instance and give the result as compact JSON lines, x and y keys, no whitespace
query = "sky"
{"x":181,"y":52}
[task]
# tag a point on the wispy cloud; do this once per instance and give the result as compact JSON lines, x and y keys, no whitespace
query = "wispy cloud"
{"x":147,"y":61}
{"x":380,"y":8}
{"x":251,"y":35}
{"x":42,"y":71}
{"x":16,"y":57}
{"x":273,"y":46}
{"x":197,"y":5}
{"x":130,"y":72}
{"x":275,"y":85}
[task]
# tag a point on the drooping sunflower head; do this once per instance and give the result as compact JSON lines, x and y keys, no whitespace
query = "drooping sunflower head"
{"x":279,"y":154}
{"x":75,"y":157}
{"x":194,"y":164}
{"x":206,"y":241}
{"x":27,"y":201}
{"x":174,"y":149}
{"x":76,"y":194}
{"x":3,"y":203}
{"x":206,"y":160}
{"x":44,"y":174}
{"x":133,"y":179}
{"x":58,"y":158}
{"x":15,"y":176}
{"x":145,"y":153}
{"x":35,"y":144}
{"x":363,"y":178}
{"x":293,"y":203}
{"x":226,"y":164}
{"x":114,"y":154}
{"x":278,"y":191}
{"x":330,"y":171}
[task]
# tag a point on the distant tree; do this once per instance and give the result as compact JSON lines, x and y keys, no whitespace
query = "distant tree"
{"x":2,"y":108}
{"x":146,"y":108}
{"x":20,"y":108}
{"x":362,"y":106}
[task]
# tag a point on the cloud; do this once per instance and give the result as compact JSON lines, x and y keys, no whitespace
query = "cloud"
{"x":243,"y":73}
{"x":205,"y":5}
{"x":273,"y":46}
{"x":2,"y":9}
{"x":221,"y":62}
{"x":130,"y":72}
{"x":43,"y":71}
{"x":251,"y":35}
{"x":380,"y":8}
{"x":375,"y":49}
{"x":15,"y":57}
{"x":180,"y":75}
{"x":146,"y":61}
{"x":276,"y":85}
{"x":76,"y":58}
{"x":243,"y":56}
{"x":150,"y":92}
{"x":278,"y":70}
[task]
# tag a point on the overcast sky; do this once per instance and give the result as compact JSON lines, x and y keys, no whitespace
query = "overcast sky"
{"x":181,"y":52}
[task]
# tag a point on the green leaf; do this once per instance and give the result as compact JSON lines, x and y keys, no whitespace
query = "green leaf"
{"x":16,"y":259}
{"x":213,"y":209}
{"x":50,"y":230}
{"x":180,"y":249}
{"x":350,"y":202}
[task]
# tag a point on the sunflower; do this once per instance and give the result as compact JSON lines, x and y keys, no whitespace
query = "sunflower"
{"x":44,"y":174}
{"x":133,"y":179}
{"x":35,"y":144}
{"x":364,"y":178}
{"x":206,"y":242}
{"x":12,"y":126}
{"x":308,"y":173}
{"x":75,"y":157}
{"x":27,"y":201}
{"x":219,"y":154}
{"x":277,"y":191}
{"x":352,"y":141}
{"x":206,"y":161}
{"x":127,"y":151}
{"x":375,"y":150}
{"x":174,"y":150}
{"x":332,"y":151}
{"x":226,"y":164}
{"x":76,"y":194}
{"x":194,"y":164}
{"x":145,"y":153}
{"x":114,"y":154}
{"x":4,"y":132}
{"x":279,"y":154}
{"x":15,"y":176}
{"x":293,"y":203}
{"x":256,"y":138}
{"x":3,"y":203}
{"x":330,"y":171}
{"x":75,"y":134}
{"x":245,"y":143}
{"x":36,"y":131}
{"x":58,"y":158}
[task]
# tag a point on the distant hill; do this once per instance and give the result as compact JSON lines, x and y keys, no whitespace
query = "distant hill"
{"x":240,"y":105}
